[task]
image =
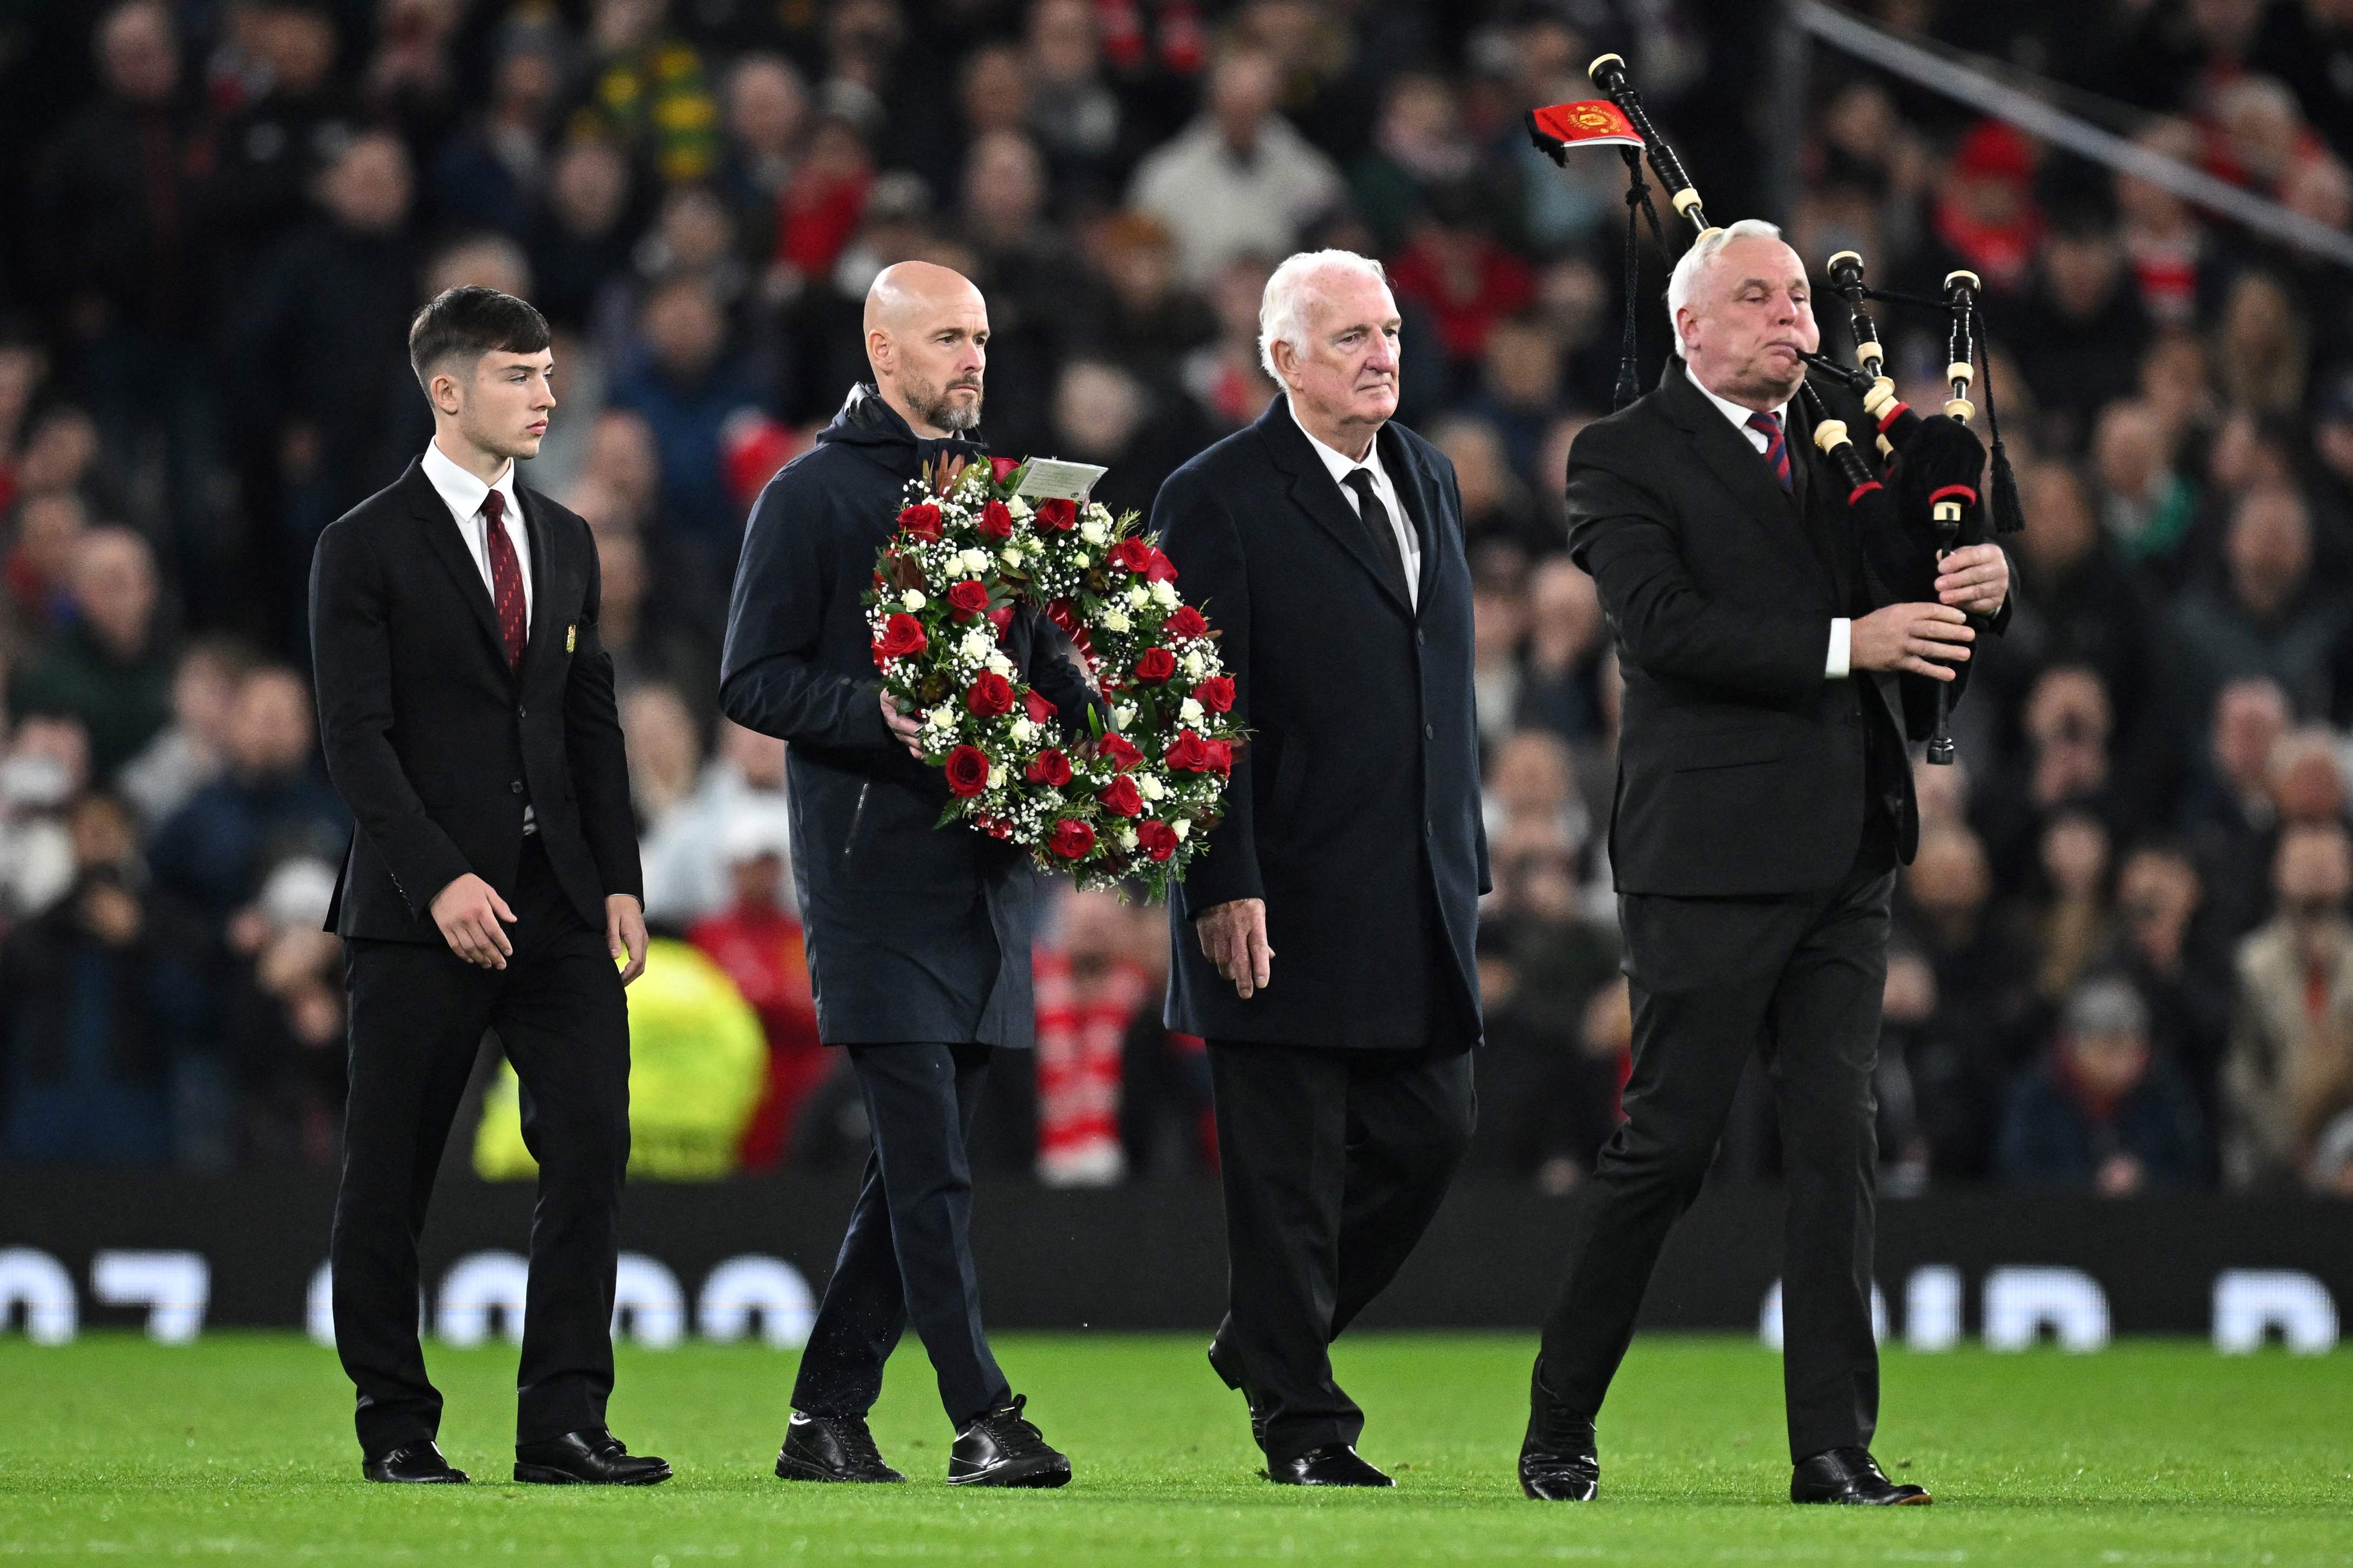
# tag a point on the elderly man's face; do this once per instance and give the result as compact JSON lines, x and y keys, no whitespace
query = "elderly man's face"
{"x":1344,"y":374}
{"x":1747,"y":320}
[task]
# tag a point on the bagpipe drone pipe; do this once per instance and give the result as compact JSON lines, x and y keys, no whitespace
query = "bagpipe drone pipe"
{"x":1926,"y":485}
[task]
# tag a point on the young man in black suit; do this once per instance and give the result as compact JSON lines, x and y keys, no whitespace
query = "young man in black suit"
{"x":467,"y":712}
{"x":1325,"y":543}
{"x":918,"y":935}
{"x":1764,"y":800}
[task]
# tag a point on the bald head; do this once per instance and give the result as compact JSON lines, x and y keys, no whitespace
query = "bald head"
{"x":927,"y":339}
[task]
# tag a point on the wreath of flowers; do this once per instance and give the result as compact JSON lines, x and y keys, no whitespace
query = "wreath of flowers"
{"x":1132,"y":800}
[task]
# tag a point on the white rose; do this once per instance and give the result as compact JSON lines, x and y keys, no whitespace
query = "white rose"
{"x":1165,"y":594}
{"x":1113,"y":619}
{"x":1122,"y":716}
{"x":942,"y":718}
{"x":999,"y":663}
{"x":1010,"y":556}
{"x":977,"y":644}
{"x":1024,"y":731}
{"x":1126,"y":837}
{"x":1079,"y":560}
{"x":1189,"y":711}
{"x":1194,"y":664}
{"x":912,"y":600}
{"x":1180,"y":827}
{"x":975,"y":562}
{"x":1093,"y":531}
{"x":1018,"y":506}
{"x":1149,"y":786}
{"x":997,"y":777}
{"x":1138,"y":597}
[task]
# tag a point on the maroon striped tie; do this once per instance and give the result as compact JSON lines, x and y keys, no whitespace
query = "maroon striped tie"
{"x":1776,"y":451}
{"x":506,"y":579}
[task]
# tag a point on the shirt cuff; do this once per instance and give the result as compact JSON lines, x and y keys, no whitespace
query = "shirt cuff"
{"x":1842,"y":650}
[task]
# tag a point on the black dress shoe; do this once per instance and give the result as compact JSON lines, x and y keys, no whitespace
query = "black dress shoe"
{"x":1001,"y":1448}
{"x":1557,"y":1459}
{"x":1851,"y":1476}
{"x":1333,"y":1465}
{"x":593,"y":1458}
{"x":831,"y":1449}
{"x":414,"y":1464}
{"x":1229,"y":1368}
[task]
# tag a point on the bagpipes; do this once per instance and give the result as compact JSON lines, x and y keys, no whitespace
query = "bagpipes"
{"x":1932,"y":462}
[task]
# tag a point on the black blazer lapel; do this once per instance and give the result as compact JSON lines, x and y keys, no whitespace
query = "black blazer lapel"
{"x":1414,"y":486}
{"x":442,"y":540}
{"x":1736,"y":464}
{"x":1312,"y":489}
{"x":543,"y":575}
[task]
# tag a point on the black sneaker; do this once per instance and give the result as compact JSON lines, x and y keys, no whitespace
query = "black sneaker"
{"x":1003,"y":1449}
{"x":831,"y":1449}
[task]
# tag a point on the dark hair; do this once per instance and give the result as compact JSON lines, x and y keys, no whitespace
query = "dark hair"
{"x":472,"y":322}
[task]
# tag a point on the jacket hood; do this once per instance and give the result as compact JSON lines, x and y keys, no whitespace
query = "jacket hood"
{"x":866,"y":421}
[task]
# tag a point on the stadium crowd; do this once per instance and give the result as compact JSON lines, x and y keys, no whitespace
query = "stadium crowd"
{"x":2123,"y":962}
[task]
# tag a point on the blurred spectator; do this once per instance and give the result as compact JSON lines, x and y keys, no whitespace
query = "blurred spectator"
{"x":1499,"y":612}
{"x":1962,"y":1053}
{"x":767,"y":115}
{"x":2290,"y":1070}
{"x":1457,"y":269}
{"x":685,"y":390}
{"x":38,"y":573}
{"x":1227,"y":379}
{"x":1150,"y":320}
{"x":270,"y":153}
{"x":1561,"y":676}
{"x":101,"y":1005}
{"x":282,"y":1018}
{"x":109,"y":670}
{"x":649,"y":88}
{"x":2266,"y":619}
{"x":755,"y":938}
{"x":2166,"y":247}
{"x":2161,"y":950}
{"x":2146,"y":506}
{"x":1495,"y":505}
{"x":1103,"y":414}
{"x":1085,"y":130}
{"x":580,"y":241}
{"x":2070,"y":926}
{"x":2231,"y":821}
{"x":2261,"y":347}
{"x":1239,"y":180}
{"x":690,"y":871}
{"x":491,"y":173}
{"x":1420,"y":147}
{"x":1984,"y":215}
{"x":1520,"y":394}
{"x":665,"y":753}
{"x":45,"y":767}
{"x":1091,"y":994}
{"x":2103,"y":1115}
{"x":272,"y":804}
{"x":2079,"y":333}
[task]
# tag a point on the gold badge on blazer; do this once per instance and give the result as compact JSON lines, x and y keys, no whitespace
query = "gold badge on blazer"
{"x":571,"y":635}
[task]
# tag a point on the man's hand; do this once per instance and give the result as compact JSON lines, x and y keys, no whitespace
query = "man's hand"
{"x":1974,"y":578}
{"x":1233,"y":937}
{"x":469,"y":911}
{"x":904,"y":727}
{"x":1908,"y":638}
{"x":625,"y":932}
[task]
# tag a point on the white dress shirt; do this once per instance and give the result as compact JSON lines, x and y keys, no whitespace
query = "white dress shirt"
{"x":1840,"y":663}
{"x":462,"y":493}
{"x":1342,"y":466}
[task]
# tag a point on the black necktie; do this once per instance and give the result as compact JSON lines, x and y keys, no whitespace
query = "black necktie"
{"x":1376,"y":521}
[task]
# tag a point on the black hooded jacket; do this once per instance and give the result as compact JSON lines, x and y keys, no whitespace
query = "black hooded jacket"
{"x":914,"y":933}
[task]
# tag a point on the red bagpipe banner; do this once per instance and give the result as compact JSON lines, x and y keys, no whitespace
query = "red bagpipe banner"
{"x":1597,"y":122}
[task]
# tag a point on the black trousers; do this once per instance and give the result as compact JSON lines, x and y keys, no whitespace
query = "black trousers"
{"x":908,"y":1253}
{"x":1333,"y":1162}
{"x":417,"y":1015}
{"x":1799,"y":979}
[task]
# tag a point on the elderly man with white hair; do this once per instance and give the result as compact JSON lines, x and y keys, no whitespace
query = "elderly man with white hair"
{"x":1764,"y":799}
{"x":1326,"y":542}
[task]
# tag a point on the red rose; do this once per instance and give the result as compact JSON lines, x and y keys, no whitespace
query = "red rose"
{"x":968,"y":598}
{"x":967,"y":769}
{"x":1072,"y":839}
{"x":1216,"y":694}
{"x":1050,"y":768}
{"x":996,"y":521}
{"x":902,"y":635}
{"x":1157,"y":839}
{"x":1132,"y":553}
{"x":1121,"y":752}
{"x":1001,"y":468}
{"x":989,"y":695}
{"x":1159,"y":568}
{"x":922,"y":521}
{"x":1057,"y":516}
{"x":1221,"y":757}
{"x":1001,"y":617}
{"x":1190,"y":753}
{"x":1155,"y":666}
{"x":1034,"y":703}
{"x":1186,"y":622}
{"x":1121,"y":797}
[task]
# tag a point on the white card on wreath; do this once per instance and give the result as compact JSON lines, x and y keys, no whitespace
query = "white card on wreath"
{"x":1050,"y":478}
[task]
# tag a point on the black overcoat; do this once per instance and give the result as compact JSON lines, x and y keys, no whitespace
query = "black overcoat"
{"x":914,"y":933}
{"x":1354,"y":810}
{"x":434,"y":743}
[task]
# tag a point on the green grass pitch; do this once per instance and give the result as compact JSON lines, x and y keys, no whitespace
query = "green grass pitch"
{"x":238,"y":1448}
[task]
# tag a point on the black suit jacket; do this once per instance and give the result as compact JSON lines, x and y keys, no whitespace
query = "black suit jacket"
{"x":1742,"y":768}
{"x":915,"y":931}
{"x":434,"y":743}
{"x":1354,"y":811}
